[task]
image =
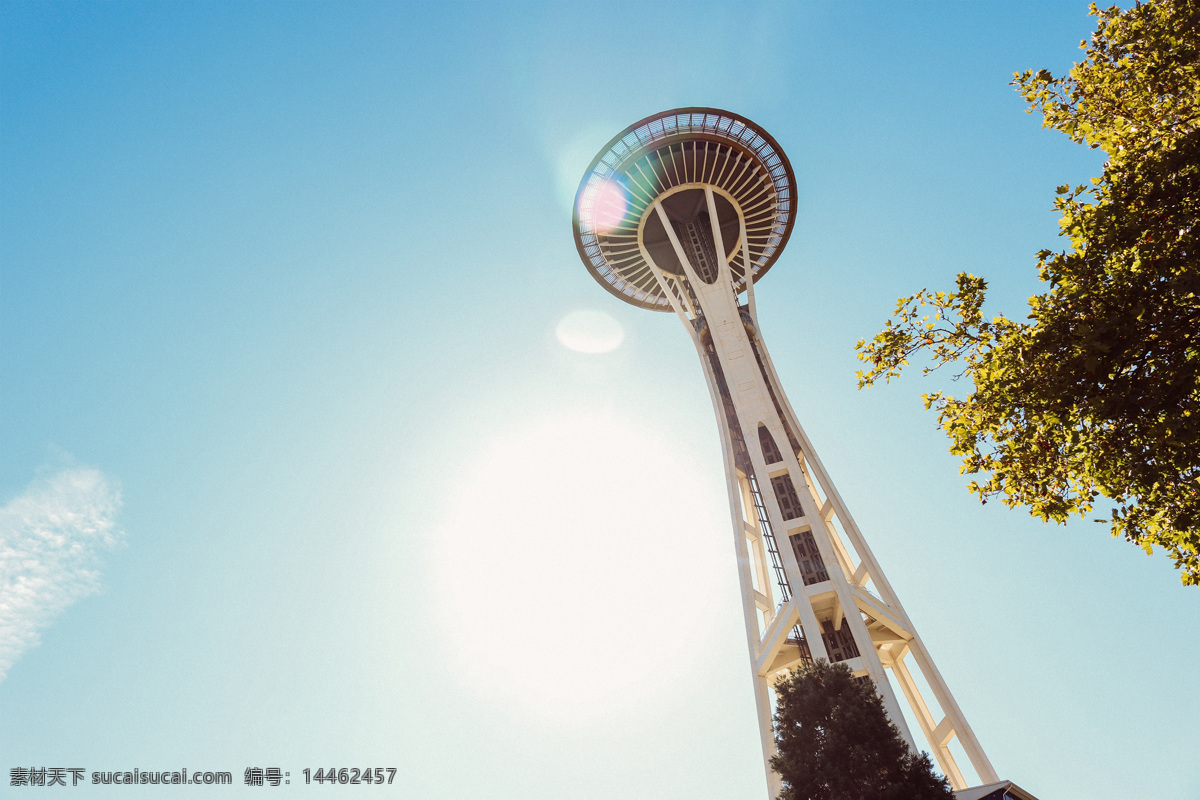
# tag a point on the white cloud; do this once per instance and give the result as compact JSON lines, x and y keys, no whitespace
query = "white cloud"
{"x":50,"y":540}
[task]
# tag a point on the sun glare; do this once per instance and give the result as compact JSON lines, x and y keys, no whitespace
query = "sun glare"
{"x":570,"y":572}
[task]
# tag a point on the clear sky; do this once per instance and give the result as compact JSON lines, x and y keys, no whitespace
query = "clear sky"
{"x":301,"y":469}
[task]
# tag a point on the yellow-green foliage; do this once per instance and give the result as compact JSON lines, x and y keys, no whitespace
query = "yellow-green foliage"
{"x":1099,"y":392}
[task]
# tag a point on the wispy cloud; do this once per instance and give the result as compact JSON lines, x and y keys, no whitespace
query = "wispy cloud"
{"x":50,"y":540}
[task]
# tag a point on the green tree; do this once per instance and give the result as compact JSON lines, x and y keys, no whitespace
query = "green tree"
{"x":1099,"y":392}
{"x":835,"y":742}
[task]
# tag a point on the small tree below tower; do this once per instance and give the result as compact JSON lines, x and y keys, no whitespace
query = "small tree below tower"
{"x":835,"y":742}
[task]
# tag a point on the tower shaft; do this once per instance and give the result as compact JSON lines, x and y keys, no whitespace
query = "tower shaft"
{"x":811,"y":588}
{"x":683,"y":211}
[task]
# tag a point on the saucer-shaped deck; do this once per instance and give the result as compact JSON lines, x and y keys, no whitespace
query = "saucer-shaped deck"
{"x":672,"y":157}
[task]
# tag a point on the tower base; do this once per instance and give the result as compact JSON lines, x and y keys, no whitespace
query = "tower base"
{"x":1001,"y":790}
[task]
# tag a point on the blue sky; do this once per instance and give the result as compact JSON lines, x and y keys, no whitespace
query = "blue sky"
{"x":278,"y":307}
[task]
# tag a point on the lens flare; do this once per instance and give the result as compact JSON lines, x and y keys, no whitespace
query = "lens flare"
{"x":610,"y":206}
{"x":591,"y":332}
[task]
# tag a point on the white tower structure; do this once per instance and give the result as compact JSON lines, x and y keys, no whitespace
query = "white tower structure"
{"x":683,"y":212}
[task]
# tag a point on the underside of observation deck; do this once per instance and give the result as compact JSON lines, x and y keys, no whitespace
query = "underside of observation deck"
{"x":689,"y":147}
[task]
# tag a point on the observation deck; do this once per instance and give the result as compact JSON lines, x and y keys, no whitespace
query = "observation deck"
{"x":671,"y":157}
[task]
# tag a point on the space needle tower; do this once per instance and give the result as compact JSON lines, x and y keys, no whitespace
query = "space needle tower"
{"x":684,"y":212}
